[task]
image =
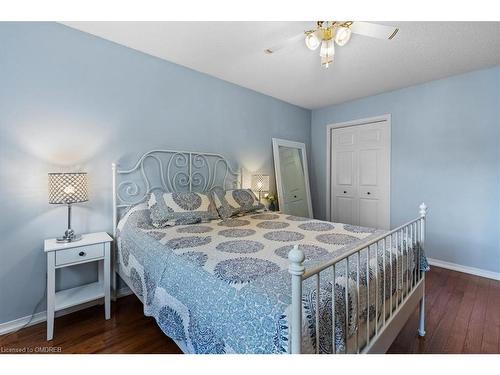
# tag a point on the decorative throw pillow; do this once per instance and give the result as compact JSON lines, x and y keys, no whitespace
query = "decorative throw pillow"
{"x":167,"y":209}
{"x":236,"y":201}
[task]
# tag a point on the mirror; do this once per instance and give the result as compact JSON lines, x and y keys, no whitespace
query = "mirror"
{"x":292,"y":178}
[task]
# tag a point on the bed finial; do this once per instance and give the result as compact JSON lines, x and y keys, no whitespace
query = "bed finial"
{"x":296,"y":269}
{"x":296,"y":257}
{"x":423,"y":210}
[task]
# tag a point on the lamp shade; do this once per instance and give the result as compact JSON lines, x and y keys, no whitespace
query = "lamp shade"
{"x":260,"y":182}
{"x":67,"y":188}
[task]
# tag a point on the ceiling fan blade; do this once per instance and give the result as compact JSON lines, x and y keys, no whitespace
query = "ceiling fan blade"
{"x":374,"y":30}
{"x":285,"y":43}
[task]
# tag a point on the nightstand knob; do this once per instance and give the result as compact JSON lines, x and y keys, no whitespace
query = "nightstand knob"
{"x":82,"y":253}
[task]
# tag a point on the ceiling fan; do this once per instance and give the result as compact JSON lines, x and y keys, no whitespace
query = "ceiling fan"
{"x":327,"y":33}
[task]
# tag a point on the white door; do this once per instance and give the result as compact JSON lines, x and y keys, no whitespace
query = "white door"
{"x":294,"y":188}
{"x":360,"y":175}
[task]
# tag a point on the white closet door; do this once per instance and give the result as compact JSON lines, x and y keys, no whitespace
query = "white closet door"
{"x":344,"y":176}
{"x":360,"y":175}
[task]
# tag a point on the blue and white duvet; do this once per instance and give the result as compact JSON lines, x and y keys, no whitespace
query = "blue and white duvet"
{"x":224,"y":287}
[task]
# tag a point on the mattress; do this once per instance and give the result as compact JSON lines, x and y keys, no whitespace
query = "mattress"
{"x":224,"y":286}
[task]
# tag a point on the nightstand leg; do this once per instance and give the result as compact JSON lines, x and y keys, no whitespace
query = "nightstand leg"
{"x":107,"y":281}
{"x":51,"y":278}
{"x":100,"y":273}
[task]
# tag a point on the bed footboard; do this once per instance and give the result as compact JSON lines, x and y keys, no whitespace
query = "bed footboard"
{"x":396,"y":292}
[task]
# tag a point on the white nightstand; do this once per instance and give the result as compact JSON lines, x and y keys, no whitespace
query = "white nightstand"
{"x":93,"y":247}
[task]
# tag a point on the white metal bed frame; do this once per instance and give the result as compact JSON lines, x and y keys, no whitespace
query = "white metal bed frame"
{"x":386,"y":328}
{"x":198,"y":171}
{"x":175,"y":171}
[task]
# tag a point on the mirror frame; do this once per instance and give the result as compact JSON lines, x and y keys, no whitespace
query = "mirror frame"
{"x":277,"y":170}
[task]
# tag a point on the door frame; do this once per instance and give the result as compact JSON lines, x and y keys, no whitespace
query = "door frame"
{"x":277,"y":170}
{"x":363,"y":121}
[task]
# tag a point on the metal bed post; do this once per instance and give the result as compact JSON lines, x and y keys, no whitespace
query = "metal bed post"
{"x":296,"y":269}
{"x":114,"y":244}
{"x":421,"y":312}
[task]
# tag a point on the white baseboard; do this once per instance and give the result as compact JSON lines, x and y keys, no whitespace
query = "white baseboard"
{"x":41,"y":316}
{"x":464,"y":269}
{"x":16,"y":324}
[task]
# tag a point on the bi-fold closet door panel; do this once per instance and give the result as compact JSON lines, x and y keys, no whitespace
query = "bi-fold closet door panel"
{"x":344,"y":175}
{"x":360,"y":175}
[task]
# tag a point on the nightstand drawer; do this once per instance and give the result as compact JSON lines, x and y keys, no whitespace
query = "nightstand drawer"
{"x":79,"y":254}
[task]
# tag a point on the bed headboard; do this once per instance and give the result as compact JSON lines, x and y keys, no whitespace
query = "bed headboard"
{"x":172,"y":171}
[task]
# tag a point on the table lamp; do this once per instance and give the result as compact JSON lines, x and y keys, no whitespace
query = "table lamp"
{"x":68,"y":188}
{"x":260,"y":183}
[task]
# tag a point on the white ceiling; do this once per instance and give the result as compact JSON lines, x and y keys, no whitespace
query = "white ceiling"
{"x":233,"y":51}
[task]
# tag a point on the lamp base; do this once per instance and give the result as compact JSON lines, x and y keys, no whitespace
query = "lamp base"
{"x":75,"y":238}
{"x":69,"y":236}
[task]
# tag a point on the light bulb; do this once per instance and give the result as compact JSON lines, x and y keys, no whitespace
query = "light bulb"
{"x":342,"y":35}
{"x":69,"y":190}
{"x":312,"y":40}
{"x":327,"y":48}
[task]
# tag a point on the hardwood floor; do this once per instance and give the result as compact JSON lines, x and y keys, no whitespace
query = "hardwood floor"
{"x":463,"y":316}
{"x":86,"y":331}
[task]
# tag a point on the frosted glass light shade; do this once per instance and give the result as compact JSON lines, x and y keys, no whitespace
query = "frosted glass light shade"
{"x":260,"y":182}
{"x":67,"y":188}
{"x":312,"y":40}
{"x":327,"y":48}
{"x":342,"y":36}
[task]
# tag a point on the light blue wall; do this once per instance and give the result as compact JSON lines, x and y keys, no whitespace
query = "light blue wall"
{"x":68,"y":99}
{"x":445,"y":151}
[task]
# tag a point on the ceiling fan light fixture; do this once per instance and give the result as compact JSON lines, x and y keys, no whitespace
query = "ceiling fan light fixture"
{"x":312,"y":40}
{"x":326,"y":34}
{"x":342,"y":35}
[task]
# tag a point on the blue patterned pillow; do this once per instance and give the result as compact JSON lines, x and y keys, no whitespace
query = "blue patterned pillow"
{"x":167,"y":209}
{"x":236,"y":201}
